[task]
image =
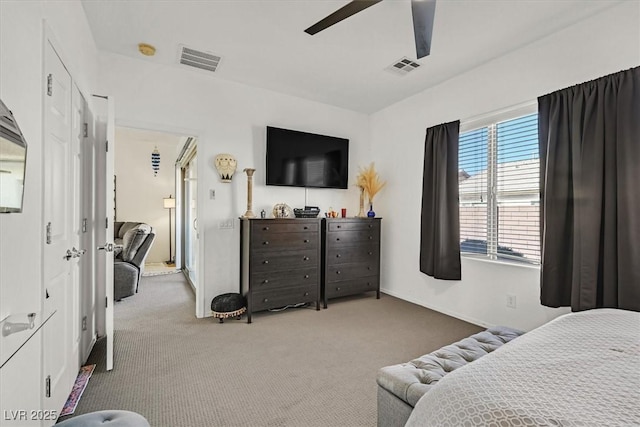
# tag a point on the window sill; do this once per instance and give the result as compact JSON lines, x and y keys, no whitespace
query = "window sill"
{"x":484,"y":258}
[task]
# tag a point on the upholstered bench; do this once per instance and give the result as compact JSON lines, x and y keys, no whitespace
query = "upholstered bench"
{"x":401,"y":386}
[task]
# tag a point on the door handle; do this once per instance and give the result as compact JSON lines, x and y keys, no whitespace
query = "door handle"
{"x":108,"y":247}
{"x":68,"y":255}
{"x":78,"y":253}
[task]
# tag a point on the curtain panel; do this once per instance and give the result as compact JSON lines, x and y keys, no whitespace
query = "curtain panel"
{"x":589,"y":138}
{"x":440,"y":217}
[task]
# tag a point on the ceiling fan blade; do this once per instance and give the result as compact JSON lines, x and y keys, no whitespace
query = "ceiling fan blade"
{"x":343,"y":13}
{"x":423,"y":12}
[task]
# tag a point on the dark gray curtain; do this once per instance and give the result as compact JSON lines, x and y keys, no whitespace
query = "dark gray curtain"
{"x":440,"y":221}
{"x":589,"y":138}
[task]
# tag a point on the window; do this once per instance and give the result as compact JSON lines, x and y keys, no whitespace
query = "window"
{"x":498,"y":179}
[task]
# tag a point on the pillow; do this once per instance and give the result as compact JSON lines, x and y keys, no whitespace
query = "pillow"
{"x":131,"y":242}
{"x":126,"y":227}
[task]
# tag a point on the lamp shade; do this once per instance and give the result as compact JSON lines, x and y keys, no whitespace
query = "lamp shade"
{"x":169,"y":203}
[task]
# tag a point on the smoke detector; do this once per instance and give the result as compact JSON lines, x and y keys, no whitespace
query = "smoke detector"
{"x":198,"y":59}
{"x":403,"y":66}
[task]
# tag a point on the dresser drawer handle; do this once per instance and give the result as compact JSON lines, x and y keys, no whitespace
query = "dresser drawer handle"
{"x":265,"y":300}
{"x":338,"y":255}
{"x":306,"y":276}
{"x":370,"y":225}
{"x":265,"y":242}
{"x":306,"y":240}
{"x":266,"y":261}
{"x":338,"y":272}
{"x":306,"y":228}
{"x":305,"y":258}
{"x":306,"y":294}
{"x":339,"y":226}
{"x":368,"y":268}
{"x":370,"y":237}
{"x":265,"y":228}
{"x":337,"y":289}
{"x":337,"y":239}
{"x":368,"y":283}
{"x":265,"y":281}
{"x":370,"y":253}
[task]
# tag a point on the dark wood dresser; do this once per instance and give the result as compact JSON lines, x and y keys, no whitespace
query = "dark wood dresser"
{"x":351,"y":257}
{"x":279,"y":262}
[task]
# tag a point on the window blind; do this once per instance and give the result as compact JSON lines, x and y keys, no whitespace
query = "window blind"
{"x":499,"y":190}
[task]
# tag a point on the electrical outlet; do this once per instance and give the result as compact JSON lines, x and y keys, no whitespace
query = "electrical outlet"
{"x":84,"y":323}
{"x":511,"y":301}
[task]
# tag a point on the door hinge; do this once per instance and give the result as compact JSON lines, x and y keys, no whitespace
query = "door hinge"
{"x":85,"y":130}
{"x":47,"y":386}
{"x":50,"y":84}
{"x":106,"y":301}
{"x":106,"y":223}
{"x":48,"y":233}
{"x":106,"y":146}
{"x":84,"y":225}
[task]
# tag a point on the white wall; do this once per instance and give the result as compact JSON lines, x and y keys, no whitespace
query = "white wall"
{"x":228,"y":118}
{"x":21,"y":89}
{"x":603,"y":44}
{"x":139,"y":192}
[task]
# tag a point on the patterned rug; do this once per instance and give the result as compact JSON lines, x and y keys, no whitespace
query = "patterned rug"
{"x":78,"y":388}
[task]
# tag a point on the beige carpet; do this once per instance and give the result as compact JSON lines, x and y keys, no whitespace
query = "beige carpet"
{"x":298,"y":367}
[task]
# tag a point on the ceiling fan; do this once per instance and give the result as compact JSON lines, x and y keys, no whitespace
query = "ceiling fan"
{"x":423,"y":12}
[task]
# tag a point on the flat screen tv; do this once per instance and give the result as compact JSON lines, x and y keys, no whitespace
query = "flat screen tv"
{"x":301,"y":159}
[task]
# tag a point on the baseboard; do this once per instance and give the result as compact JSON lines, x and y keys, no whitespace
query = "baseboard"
{"x":439,"y":309}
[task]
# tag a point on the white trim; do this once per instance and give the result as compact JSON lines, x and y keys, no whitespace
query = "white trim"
{"x":497,"y":116}
{"x":438,"y":309}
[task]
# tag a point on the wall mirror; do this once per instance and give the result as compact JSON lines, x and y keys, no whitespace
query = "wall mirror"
{"x":13,"y":160}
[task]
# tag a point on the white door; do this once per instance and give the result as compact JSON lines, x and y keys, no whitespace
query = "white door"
{"x":191,"y":220}
{"x":60,"y":279}
{"x":106,"y":204}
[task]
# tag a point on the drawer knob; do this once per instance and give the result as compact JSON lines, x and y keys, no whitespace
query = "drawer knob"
{"x":338,"y":255}
{"x":306,"y":240}
{"x":266,"y":261}
{"x":306,"y":228}
{"x":305,"y":258}
{"x":265,"y":243}
{"x":306,"y":294}
{"x":265,"y":300}
{"x":266,"y":281}
{"x":368,"y":268}
{"x":370,"y":253}
{"x":306,"y":276}
{"x":338,"y":272}
{"x":266,"y":228}
{"x":337,"y":289}
{"x":339,"y":226}
{"x":337,"y":239}
{"x":370,"y":225}
{"x":370,"y":237}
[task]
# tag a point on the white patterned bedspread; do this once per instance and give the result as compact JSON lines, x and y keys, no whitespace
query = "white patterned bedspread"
{"x":581,"y":369}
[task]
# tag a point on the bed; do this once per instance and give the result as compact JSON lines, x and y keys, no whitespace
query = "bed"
{"x":580,"y":369}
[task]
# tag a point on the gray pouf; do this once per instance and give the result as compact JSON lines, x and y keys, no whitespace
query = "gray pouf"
{"x":106,"y":418}
{"x":228,"y":305}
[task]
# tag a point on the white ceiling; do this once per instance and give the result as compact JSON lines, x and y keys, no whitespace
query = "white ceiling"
{"x":262,"y":42}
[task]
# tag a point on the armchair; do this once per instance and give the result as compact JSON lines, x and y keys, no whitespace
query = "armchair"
{"x":128,"y":265}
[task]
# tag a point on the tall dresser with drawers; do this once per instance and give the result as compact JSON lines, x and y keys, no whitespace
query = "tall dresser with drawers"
{"x":351,"y":257}
{"x":279,"y":262}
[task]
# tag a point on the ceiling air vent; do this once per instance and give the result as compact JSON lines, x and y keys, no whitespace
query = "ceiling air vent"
{"x":403,"y":66}
{"x":199,"y":59}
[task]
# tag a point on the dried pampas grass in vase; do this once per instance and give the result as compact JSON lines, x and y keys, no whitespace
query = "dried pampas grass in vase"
{"x":369,"y":183}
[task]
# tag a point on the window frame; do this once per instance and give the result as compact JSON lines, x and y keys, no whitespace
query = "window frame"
{"x":490,"y":121}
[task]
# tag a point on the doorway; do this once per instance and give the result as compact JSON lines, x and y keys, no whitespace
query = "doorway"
{"x":188,"y":163}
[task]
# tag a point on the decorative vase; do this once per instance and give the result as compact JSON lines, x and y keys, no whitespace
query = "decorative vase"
{"x":371,"y":213}
{"x":249,"y":213}
{"x":361,"y":213}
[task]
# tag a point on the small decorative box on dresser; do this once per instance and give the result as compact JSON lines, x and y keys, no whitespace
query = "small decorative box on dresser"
{"x":279,"y":262}
{"x":351,"y":257}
